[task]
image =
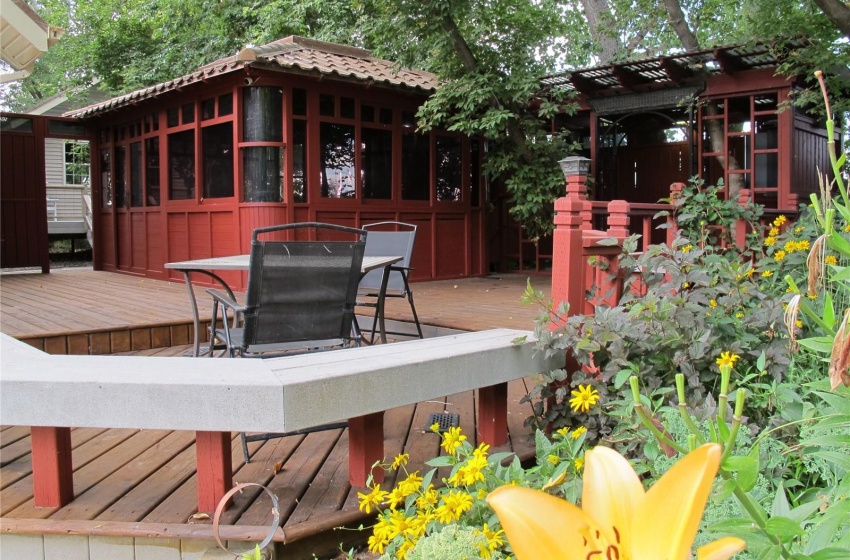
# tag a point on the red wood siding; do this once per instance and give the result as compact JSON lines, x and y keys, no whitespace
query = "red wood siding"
{"x":24,"y":193}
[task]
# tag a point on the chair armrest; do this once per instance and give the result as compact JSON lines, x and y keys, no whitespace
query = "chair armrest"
{"x":225,"y":300}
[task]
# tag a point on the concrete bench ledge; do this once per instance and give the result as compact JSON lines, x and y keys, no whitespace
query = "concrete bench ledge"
{"x":216,"y":396}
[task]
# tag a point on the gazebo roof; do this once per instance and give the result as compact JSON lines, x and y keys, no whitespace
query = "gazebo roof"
{"x":24,"y":36}
{"x":295,"y":55}
{"x":665,"y":71}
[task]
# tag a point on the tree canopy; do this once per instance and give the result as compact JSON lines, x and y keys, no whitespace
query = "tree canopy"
{"x":490,"y":55}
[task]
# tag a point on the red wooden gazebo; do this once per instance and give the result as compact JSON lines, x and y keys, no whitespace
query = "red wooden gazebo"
{"x":295,"y":130}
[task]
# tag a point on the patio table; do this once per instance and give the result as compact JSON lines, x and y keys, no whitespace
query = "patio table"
{"x":242,"y":262}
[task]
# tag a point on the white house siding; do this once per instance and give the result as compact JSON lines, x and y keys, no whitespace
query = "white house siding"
{"x":54,"y":161}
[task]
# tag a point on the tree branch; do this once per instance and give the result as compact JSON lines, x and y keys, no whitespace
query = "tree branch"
{"x":838,"y":13}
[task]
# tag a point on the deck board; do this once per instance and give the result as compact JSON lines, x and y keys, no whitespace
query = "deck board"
{"x":126,"y":481}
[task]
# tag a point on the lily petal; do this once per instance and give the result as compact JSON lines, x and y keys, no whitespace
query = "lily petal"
{"x":612,"y":493}
{"x":540,"y":526}
{"x":721,"y":549}
{"x":673,"y":507}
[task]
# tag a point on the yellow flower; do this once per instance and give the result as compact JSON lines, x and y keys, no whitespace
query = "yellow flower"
{"x":405,"y":549}
{"x":727,"y":359}
{"x":779,"y":255}
{"x":739,"y":315}
{"x":619,"y":519}
{"x":585,"y":397}
{"x":830,"y":259}
{"x":847,"y":228}
{"x":494,"y":538}
{"x":774,"y":231}
{"x":563,"y":432}
{"x":554,"y":459}
{"x":578,"y":432}
{"x":453,"y":439}
{"x":687,"y":248}
{"x":455,"y":504}
{"x":410,"y":485}
{"x":400,"y":460}
{"x":712,"y":303}
{"x":579,"y":463}
{"x":798,"y":323}
{"x":798,"y":229}
{"x":766,"y":274}
{"x":480,"y":452}
{"x":780,"y":219}
{"x":372,"y":499}
{"x":470,"y":473}
{"x":435,"y":427}
{"x":428,"y":499}
{"x":769,"y":241}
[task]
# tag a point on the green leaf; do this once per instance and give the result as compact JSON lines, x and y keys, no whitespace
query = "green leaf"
{"x":723,"y":491}
{"x":734,"y":525}
{"x":781,"y":508}
{"x":828,"y":311}
{"x":621,"y":377}
{"x":820,"y":344}
{"x":444,"y":461}
{"x":830,"y":554}
{"x":783,"y":528}
{"x":746,"y":468}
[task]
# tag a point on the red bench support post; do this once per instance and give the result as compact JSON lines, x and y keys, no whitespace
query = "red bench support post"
{"x":215,"y":468}
{"x":493,"y":414}
{"x":365,"y":448}
{"x":52,"y":471}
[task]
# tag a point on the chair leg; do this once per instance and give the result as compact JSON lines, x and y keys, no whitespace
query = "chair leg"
{"x":410,"y":301}
{"x":245,"y":447}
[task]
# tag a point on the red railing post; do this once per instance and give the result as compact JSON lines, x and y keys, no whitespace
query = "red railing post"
{"x":567,"y":266}
{"x":618,"y":227}
{"x":52,"y":471}
{"x":214,"y":468}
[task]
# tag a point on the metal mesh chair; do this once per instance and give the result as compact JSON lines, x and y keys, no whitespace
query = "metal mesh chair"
{"x":300,"y":297}
{"x":382,"y":242}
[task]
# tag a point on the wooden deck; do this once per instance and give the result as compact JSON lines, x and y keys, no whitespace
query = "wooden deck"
{"x":134,"y":484}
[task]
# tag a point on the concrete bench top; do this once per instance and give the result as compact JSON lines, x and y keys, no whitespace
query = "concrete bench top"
{"x":277,"y":394}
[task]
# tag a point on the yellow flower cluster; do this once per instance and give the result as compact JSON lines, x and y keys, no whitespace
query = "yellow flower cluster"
{"x":407,"y":510}
{"x":774,"y":231}
{"x":792,"y":246}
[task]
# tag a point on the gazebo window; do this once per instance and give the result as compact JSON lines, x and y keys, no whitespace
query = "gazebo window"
{"x":218,"y":160}
{"x":740,"y":145}
{"x":448,"y":175}
{"x":262,"y":144}
{"x":415,"y":166}
{"x":105,"y":178}
{"x":136,"y":190}
{"x":336,"y":153}
{"x":152,"y":170}
{"x":181,"y":165}
{"x":299,"y":160}
{"x":376,"y":158}
{"x":120,"y":176}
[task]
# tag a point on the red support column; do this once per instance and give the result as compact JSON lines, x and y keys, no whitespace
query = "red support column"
{"x":742,"y":226}
{"x":672,"y":230}
{"x":493,"y":414}
{"x":365,"y":448}
{"x":215,"y":468}
{"x":52,"y":471}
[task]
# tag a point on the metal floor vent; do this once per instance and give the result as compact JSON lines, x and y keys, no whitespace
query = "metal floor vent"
{"x":445,"y":420}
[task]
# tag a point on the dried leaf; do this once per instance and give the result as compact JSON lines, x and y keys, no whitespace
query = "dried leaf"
{"x":199,"y":517}
{"x":277,"y":467}
{"x":839,"y":365}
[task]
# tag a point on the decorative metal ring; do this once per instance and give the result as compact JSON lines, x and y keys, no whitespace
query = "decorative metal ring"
{"x":220,"y":509}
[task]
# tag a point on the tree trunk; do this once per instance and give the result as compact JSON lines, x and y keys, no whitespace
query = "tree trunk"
{"x":838,"y":13}
{"x":602,"y":28}
{"x":468,"y":58}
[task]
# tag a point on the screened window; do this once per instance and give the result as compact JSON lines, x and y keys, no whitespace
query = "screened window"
{"x":262,"y":114}
{"x":136,"y":187}
{"x":376,"y":158}
{"x":152,"y":170}
{"x":415,"y":175}
{"x":449,"y":159}
{"x":181,"y":165}
{"x":105,"y":178}
{"x":218,"y":160}
{"x":76,"y":162}
{"x":120,"y":176}
{"x":299,"y":161}
{"x":336,"y":152}
{"x":263,"y":173}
